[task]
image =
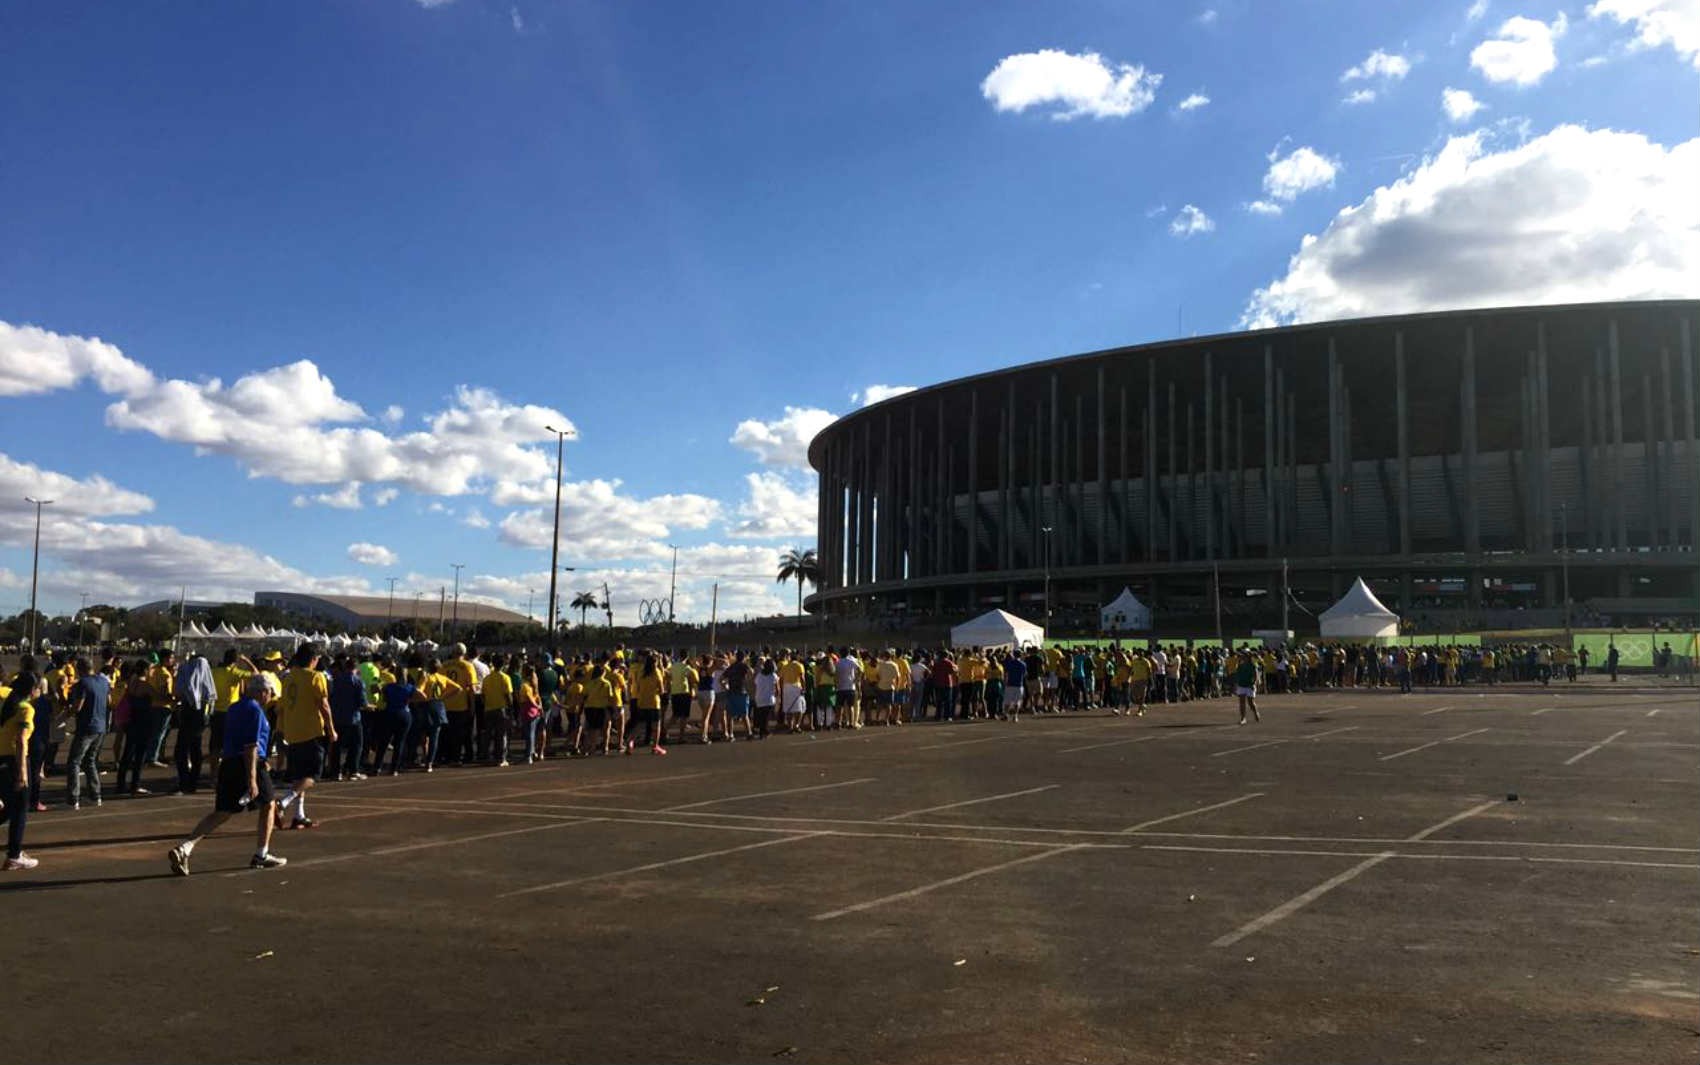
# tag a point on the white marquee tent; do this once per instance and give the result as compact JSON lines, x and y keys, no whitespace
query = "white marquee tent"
{"x":1124,"y":613}
{"x":996,"y":628}
{"x":1359,"y":615}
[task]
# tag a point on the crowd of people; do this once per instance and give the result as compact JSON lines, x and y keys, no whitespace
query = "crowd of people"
{"x":337,"y":716}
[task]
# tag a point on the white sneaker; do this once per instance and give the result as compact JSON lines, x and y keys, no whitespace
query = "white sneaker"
{"x":179,"y":860}
{"x":20,"y":863}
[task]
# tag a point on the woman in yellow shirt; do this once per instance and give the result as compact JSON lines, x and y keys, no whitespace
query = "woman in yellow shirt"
{"x":17,"y":725}
{"x":498,"y":709}
{"x":598,"y":703}
{"x":647,"y":688}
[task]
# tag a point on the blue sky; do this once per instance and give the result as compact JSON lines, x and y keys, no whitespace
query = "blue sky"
{"x":670,"y":223}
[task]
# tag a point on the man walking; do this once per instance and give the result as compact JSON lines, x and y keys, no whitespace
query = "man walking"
{"x":244,"y":781}
{"x":91,"y":702}
{"x":1245,"y":685}
{"x":308,"y":728}
{"x":196,"y":694}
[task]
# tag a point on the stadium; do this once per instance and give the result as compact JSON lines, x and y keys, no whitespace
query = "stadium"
{"x":1470,"y":465}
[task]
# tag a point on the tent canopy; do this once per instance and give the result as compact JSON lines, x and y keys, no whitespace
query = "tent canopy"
{"x":996,"y":628}
{"x":1125,"y":613}
{"x":1359,"y":614}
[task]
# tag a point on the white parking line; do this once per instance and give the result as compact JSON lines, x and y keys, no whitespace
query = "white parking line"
{"x":968,"y":743}
{"x":687,"y":859}
{"x":1654,"y":711}
{"x":1454,"y":819}
{"x":970,"y":802}
{"x":959,"y":878}
{"x":1189,"y":813}
{"x":1422,"y":857}
{"x":766,"y":794}
{"x":1331,"y":709}
{"x":1573,"y":759}
{"x":453,"y":841}
{"x":1437,"y":710}
{"x":1330,"y":732}
{"x":1252,"y":747}
{"x":1431,"y":743}
{"x":1543,"y":710}
{"x":1111,"y":743}
{"x":1299,"y":902}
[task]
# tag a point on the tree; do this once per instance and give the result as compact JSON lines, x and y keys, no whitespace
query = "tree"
{"x":799,"y":566}
{"x":582,"y":602}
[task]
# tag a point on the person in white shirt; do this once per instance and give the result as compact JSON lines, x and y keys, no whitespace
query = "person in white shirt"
{"x":918,"y":674}
{"x":848,"y":675}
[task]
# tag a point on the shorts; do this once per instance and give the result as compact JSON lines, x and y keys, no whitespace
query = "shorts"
{"x":737,"y":704}
{"x":823,"y":696}
{"x":1241,"y":689}
{"x":647,"y":717}
{"x":232,"y":788}
{"x":1012,"y":696}
{"x":681,"y":703}
{"x":596,"y":717}
{"x":847,"y":697}
{"x":1050,"y":682}
{"x":306,"y":759}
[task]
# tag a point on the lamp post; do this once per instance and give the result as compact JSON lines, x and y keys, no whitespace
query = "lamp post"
{"x":672,"y":582}
{"x":1564,"y":560}
{"x":82,"y":616}
{"x":555,"y":540}
{"x":35,"y":570}
{"x":1046,"y":529}
{"x":530,"y":601}
{"x":389,"y":614}
{"x":454,"y":614}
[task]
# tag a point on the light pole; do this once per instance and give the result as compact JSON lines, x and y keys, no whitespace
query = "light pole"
{"x":35,"y":570}
{"x":389,"y":614}
{"x":530,"y":601}
{"x":555,"y":540}
{"x":454,"y":617}
{"x":1046,"y":529}
{"x":82,"y":615}
{"x":672,"y":582}
{"x":1564,"y":560}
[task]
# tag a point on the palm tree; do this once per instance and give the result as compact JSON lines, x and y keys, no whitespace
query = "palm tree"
{"x":582,"y":602}
{"x":799,"y":566}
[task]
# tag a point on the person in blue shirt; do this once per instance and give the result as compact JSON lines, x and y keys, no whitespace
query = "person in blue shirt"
{"x":244,"y":780}
{"x":348,"y":703}
{"x":1014,"y":684}
{"x":91,"y":702}
{"x":398,"y":697}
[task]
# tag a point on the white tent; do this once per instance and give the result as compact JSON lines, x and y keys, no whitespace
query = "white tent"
{"x":995,"y":628}
{"x":1125,"y":613}
{"x":253,"y":632}
{"x":1359,"y":615}
{"x":224,"y":631}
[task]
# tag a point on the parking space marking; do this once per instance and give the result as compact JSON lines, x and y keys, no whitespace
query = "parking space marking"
{"x":1111,"y":743}
{"x":1190,"y":813}
{"x":1654,"y":711}
{"x":1573,"y":759}
{"x":948,"y":882}
{"x":767,"y":794}
{"x":1300,"y":901}
{"x":597,"y":786}
{"x":971,"y":802}
{"x":453,"y":841}
{"x":1406,"y":855}
{"x":1543,"y":710}
{"x":1431,"y":743}
{"x":1450,"y":821}
{"x":1437,"y":710}
{"x":686,"y":860}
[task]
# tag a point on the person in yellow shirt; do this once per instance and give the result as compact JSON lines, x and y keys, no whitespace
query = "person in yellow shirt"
{"x":887,"y":682}
{"x":228,"y":677}
{"x":457,"y":742}
{"x":793,"y":675}
{"x":598,"y":704}
{"x":649,"y":683}
{"x":304,"y":716}
{"x":17,"y":728}
{"x":426,"y":724}
{"x":682,"y":680}
{"x":621,"y":684}
{"x":498,"y":694}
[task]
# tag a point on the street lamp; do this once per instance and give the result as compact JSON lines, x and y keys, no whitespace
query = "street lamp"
{"x":454,"y":617}
{"x":82,"y":616}
{"x":1564,"y":560}
{"x":555,"y":540}
{"x":1046,"y":529}
{"x":389,"y":615}
{"x":672,"y":582}
{"x":35,"y":570}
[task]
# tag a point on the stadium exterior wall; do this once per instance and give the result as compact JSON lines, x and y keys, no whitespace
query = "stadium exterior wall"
{"x":1483,"y":454}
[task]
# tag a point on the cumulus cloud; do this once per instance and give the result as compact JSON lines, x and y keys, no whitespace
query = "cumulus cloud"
{"x":1359,"y":96}
{"x":383,"y":497}
{"x":1521,"y":53}
{"x":876,"y":393}
{"x":1379,"y":65}
{"x":1297,"y":172}
{"x":601,"y":522}
{"x":34,"y":360}
{"x":776,"y":506}
{"x":1476,"y":11}
{"x":1193,"y":102}
{"x":371,"y":554}
{"x":785,"y":440}
{"x":1263,"y":207}
{"x":1459,"y":105}
{"x":1658,"y":22}
{"x":1188,"y":221}
{"x":1573,"y":215}
{"x":475,"y":519}
{"x":1070,"y":85}
{"x":93,"y":496}
{"x":345,"y":498}
{"x":1208,"y":17}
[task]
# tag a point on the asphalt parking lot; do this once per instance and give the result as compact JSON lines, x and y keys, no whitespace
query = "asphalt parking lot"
{"x":1347,"y":881}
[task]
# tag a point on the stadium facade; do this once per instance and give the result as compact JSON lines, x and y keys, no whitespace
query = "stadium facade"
{"x":1464,"y":460}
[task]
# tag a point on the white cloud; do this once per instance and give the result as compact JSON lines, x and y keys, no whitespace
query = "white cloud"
{"x":599,"y":522}
{"x":34,"y":360}
{"x":1476,"y":11}
{"x":371,"y":554}
{"x":785,"y":440}
{"x":1359,"y":96}
{"x":434,"y":3}
{"x":93,"y":496}
{"x":1522,"y":52}
{"x":475,"y":519}
{"x":1189,"y":220}
{"x":345,"y":498}
{"x":1573,"y":215}
{"x":1263,"y":207}
{"x":1208,"y":17}
{"x":383,"y":497}
{"x":744,"y":573}
{"x":1073,"y":85}
{"x":1658,"y":22}
{"x":777,"y":506}
{"x":876,"y":393}
{"x":1193,"y":102}
{"x":516,"y":20}
{"x":1298,"y":172}
{"x":393,"y":415}
{"x":1386,"y":66}
{"x":1459,"y":105}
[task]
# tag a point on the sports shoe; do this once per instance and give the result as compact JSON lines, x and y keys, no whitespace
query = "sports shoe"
{"x":658,"y":749}
{"x":179,"y":860}
{"x":303,"y":822}
{"x":267,"y":861}
{"x":20,"y":863}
